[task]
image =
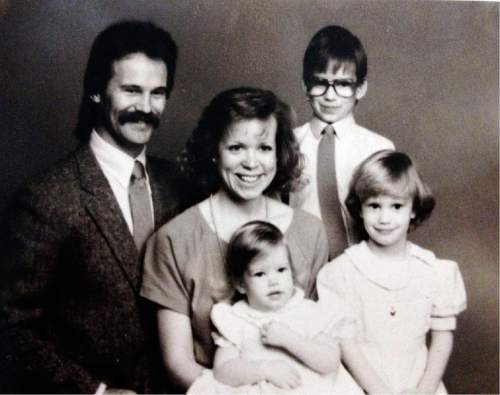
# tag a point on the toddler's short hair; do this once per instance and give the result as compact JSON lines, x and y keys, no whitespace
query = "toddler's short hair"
{"x":391,"y":173}
{"x":247,"y":243}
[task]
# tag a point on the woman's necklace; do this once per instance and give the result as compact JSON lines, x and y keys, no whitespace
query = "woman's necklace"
{"x":217,"y":234}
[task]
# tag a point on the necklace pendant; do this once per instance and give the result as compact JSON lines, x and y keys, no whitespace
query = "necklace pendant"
{"x":392,"y":311}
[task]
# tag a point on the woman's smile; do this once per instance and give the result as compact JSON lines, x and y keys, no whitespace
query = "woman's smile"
{"x":248,"y":178}
{"x":247,"y":157}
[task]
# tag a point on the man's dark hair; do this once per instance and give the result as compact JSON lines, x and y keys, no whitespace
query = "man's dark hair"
{"x":338,"y":44}
{"x":112,"y":44}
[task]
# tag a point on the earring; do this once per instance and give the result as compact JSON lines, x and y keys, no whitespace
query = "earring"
{"x":96,"y":98}
{"x":214,"y":160}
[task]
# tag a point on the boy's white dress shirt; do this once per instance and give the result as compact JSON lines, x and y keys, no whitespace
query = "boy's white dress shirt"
{"x":353,"y":144}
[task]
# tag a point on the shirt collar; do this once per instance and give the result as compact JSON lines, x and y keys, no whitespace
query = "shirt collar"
{"x":116,"y":162}
{"x":341,"y":127}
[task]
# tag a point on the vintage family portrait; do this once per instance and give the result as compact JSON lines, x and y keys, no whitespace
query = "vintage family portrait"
{"x":249,"y":197}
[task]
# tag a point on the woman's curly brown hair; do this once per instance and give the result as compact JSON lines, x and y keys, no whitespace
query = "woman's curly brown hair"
{"x":233,"y":105}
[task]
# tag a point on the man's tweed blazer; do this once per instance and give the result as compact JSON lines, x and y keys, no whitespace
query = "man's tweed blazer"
{"x":71,"y":312}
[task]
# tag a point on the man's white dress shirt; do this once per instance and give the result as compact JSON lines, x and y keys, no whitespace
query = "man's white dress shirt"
{"x":117,"y":167}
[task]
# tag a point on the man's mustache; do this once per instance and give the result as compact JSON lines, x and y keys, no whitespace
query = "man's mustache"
{"x":139,"y":116}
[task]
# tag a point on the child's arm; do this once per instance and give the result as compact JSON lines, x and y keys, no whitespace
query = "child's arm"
{"x":320,"y":353}
{"x":439,"y":353}
{"x":230,"y":369}
{"x":361,"y":369}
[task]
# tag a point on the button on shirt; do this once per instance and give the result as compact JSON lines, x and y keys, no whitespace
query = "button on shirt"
{"x":353,"y":144}
{"x":117,"y":168}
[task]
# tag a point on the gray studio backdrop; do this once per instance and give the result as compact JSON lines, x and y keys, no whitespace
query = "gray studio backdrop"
{"x":433,"y":89}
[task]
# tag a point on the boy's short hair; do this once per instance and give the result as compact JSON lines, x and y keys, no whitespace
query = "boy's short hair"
{"x":334,"y":43}
{"x":388,"y":172}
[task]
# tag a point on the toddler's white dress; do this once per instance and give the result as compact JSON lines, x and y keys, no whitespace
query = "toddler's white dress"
{"x":394,"y":311}
{"x":239,"y":325}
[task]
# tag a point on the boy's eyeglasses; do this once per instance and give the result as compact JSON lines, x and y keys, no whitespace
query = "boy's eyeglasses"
{"x":343,"y":88}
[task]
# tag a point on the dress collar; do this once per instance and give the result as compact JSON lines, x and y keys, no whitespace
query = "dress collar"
{"x":117,"y":163}
{"x":372,"y":266}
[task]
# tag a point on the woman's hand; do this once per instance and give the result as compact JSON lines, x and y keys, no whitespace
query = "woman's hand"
{"x":281,"y":374}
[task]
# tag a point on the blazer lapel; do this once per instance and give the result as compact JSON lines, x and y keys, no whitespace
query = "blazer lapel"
{"x":104,"y":209}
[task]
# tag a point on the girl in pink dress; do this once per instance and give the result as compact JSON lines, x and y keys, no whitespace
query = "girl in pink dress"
{"x":272,"y":340}
{"x":396,"y":291}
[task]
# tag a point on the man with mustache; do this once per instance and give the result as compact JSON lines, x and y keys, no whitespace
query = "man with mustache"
{"x":72,"y":319}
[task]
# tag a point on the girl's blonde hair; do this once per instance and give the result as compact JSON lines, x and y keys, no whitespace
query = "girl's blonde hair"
{"x":391,"y":173}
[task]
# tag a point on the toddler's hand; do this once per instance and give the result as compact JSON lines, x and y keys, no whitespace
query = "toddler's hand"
{"x":276,"y":334}
{"x":281,"y":374}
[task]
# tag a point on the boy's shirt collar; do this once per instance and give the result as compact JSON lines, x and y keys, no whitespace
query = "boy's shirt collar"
{"x":341,"y":127}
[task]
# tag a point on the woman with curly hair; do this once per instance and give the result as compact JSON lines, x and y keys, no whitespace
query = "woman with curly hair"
{"x":241,"y":155}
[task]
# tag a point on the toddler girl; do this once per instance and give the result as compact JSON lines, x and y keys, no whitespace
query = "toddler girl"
{"x":272,"y":340}
{"x":397,"y":291}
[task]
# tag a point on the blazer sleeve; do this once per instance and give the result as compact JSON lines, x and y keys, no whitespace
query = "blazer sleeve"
{"x":36,"y":233}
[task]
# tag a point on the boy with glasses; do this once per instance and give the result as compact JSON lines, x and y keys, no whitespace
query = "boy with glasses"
{"x":334,"y":79}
